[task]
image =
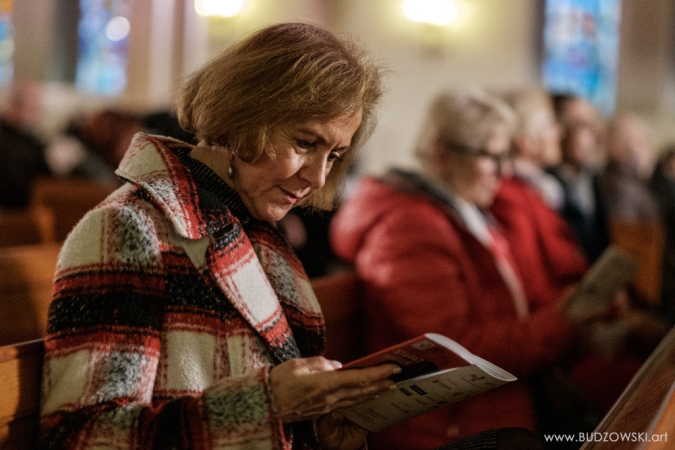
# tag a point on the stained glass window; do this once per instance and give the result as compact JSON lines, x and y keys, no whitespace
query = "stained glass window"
{"x":103,"y":46}
{"x":6,"y":43}
{"x":581,"y":44}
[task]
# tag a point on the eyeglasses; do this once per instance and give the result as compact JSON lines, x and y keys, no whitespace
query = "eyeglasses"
{"x":499,"y":159}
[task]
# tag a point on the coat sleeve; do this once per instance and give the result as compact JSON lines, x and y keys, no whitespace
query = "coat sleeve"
{"x":539,"y":239}
{"x":416,"y":267}
{"x":103,"y":349}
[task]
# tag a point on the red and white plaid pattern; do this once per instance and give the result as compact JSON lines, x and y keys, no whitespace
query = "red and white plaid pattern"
{"x":165,"y":319}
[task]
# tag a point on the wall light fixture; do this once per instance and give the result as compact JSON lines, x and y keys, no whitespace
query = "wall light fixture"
{"x":432,"y":12}
{"x":222,"y":8}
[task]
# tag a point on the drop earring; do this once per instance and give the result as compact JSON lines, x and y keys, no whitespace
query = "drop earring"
{"x":230,"y":169}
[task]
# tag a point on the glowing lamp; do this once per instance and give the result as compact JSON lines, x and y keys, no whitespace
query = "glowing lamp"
{"x":433,"y":12}
{"x":222,"y":8}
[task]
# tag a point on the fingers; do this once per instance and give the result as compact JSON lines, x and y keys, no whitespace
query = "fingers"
{"x":308,"y":387}
{"x":347,"y":397}
{"x":356,"y":380}
{"x":318,"y":364}
{"x":348,"y":387}
{"x":381,"y":371}
{"x":366,"y":376}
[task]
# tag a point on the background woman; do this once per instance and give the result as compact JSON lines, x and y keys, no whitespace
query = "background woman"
{"x":434,"y":260}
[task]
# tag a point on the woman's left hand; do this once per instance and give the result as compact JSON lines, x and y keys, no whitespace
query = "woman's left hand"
{"x":336,"y":432}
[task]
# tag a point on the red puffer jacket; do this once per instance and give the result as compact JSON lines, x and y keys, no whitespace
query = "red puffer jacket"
{"x":425,"y":272}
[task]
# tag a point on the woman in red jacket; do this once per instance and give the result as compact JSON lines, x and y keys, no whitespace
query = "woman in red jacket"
{"x":433,"y":260}
{"x":525,"y":203}
{"x":544,"y":243}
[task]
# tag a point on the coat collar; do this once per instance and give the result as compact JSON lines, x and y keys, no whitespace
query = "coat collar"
{"x":213,"y":237}
{"x":156,"y":163}
{"x":434,"y":190}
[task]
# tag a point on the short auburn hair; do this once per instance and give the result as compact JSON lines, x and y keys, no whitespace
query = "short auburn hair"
{"x":282,"y":75}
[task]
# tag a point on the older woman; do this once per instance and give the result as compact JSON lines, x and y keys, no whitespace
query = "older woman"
{"x":180,"y":316}
{"x":434,"y":260}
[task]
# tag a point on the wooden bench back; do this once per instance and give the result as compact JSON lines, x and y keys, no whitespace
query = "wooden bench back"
{"x":26,"y":278}
{"x":69,"y":199}
{"x":21,"y":364}
{"x":342,"y":302}
{"x":27,"y":226}
{"x":20,"y":378}
{"x":663,"y":424}
{"x":645,"y":240}
{"x":647,"y":405}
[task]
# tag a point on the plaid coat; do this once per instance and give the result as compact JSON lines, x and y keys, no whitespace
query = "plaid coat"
{"x":170,"y":305}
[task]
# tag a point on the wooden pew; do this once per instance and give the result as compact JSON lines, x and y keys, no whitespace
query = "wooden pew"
{"x":69,"y":199}
{"x":21,"y":364}
{"x":28,"y":226}
{"x":647,"y":405}
{"x":26,"y":278}
{"x":20,"y":375}
{"x":645,"y":240}
{"x":341,"y":302}
{"x":663,"y":424}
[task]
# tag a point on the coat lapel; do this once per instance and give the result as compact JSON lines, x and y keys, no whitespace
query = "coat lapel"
{"x":236,"y":270}
{"x":213,"y":239}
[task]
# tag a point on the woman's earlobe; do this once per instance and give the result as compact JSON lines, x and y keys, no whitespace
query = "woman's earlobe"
{"x":230,"y":166}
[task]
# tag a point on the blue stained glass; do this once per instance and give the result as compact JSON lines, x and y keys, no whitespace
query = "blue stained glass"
{"x":6,"y":49}
{"x":581,"y":45}
{"x":102,"y":63}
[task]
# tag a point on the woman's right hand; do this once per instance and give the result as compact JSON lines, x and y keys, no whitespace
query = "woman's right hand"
{"x":307,"y":388}
{"x":581,"y":319}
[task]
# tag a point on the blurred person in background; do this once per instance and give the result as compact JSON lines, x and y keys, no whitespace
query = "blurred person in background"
{"x":433,"y":259}
{"x":93,"y":145}
{"x":625,"y":178}
{"x":551,"y":262}
{"x":307,"y":232}
{"x":526,"y":203}
{"x":583,"y":206}
{"x":536,"y":142}
{"x":22,"y":157}
{"x":165,"y":123}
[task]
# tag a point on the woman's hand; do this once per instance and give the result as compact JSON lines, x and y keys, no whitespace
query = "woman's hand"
{"x":336,"y":432}
{"x":582,"y":318}
{"x":308,"y":388}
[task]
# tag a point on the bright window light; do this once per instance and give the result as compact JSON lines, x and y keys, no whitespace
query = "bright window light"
{"x":117,"y":28}
{"x":223,"y":8}
{"x":435,"y":12}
